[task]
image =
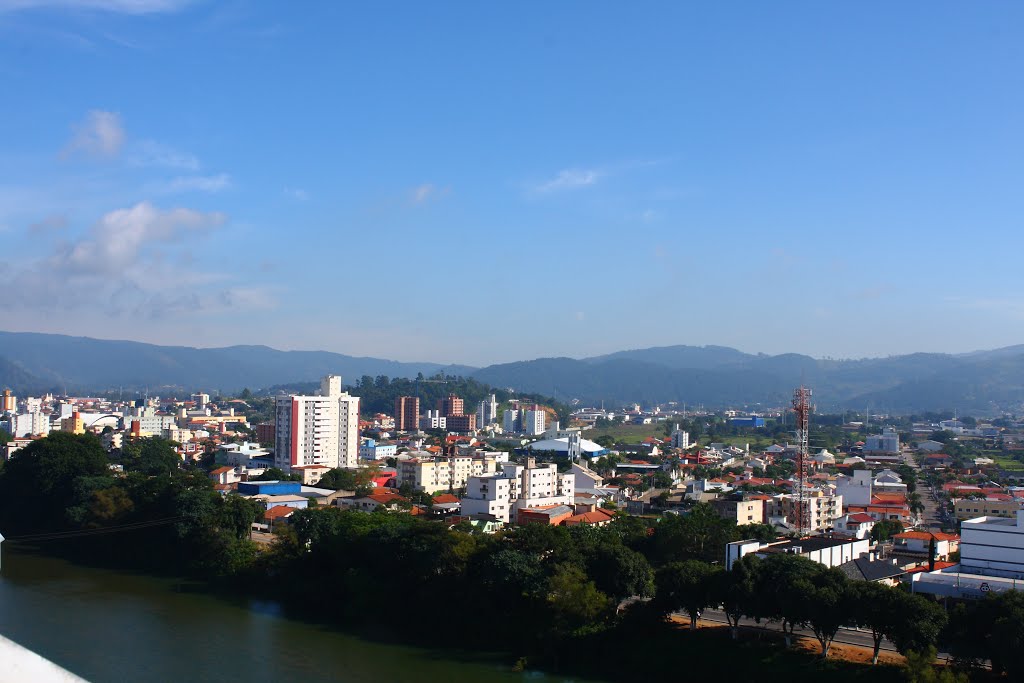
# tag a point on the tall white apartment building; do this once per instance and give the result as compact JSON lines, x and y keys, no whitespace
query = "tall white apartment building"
{"x":517,"y":487}
{"x":487,"y":411}
{"x":318,"y":430}
{"x":534,"y":421}
{"x":680,"y":438}
{"x":510,"y":421}
{"x":27,"y":424}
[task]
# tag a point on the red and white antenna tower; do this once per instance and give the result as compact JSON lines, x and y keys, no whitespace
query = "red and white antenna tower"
{"x":802,"y":408}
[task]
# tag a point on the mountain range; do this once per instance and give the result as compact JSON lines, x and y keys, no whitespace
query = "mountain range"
{"x":713,"y":376}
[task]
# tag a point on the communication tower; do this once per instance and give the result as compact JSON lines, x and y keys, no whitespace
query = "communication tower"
{"x":802,"y":410}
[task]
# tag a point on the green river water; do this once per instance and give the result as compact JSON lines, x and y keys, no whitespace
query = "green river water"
{"x":109,"y":626}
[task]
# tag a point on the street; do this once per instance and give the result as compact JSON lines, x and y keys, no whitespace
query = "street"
{"x":934,"y":513}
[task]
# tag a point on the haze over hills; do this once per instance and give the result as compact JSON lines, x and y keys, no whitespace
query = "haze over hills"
{"x":50,"y":361}
{"x":715,"y":376}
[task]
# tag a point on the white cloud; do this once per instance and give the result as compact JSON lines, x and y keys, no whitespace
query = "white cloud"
{"x":117,"y":242}
{"x":422,"y":193}
{"x":117,"y":6}
{"x":135,"y":262}
{"x":213,"y":183}
{"x":569,"y":179}
{"x":297,"y":194}
{"x":99,"y":135}
{"x":151,"y":153}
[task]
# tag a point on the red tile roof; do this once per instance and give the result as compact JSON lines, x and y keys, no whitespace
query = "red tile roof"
{"x":278,"y":512}
{"x":385,"y":498}
{"x":860,"y":517}
{"x":938,"y":566}
{"x":927,"y":536}
{"x":597,"y":516}
{"x":446,"y":498}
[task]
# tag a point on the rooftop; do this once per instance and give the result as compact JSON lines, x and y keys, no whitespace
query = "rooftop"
{"x":807,"y":544}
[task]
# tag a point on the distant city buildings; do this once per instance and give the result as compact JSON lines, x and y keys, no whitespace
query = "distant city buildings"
{"x":407,"y":413}
{"x":487,"y":411}
{"x":886,"y":442}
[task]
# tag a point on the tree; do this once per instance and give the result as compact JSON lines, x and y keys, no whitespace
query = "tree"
{"x":874,"y":607}
{"x":919,"y":626}
{"x":575,"y":602}
{"x":237,"y":515}
{"x":737,"y":591}
{"x":759,"y":532}
{"x":920,"y":668}
{"x":275,"y":474}
{"x":886,"y":529}
{"x":689,"y":586}
{"x":916,"y":505}
{"x":828,"y":604}
{"x":1007,"y":633}
{"x":783,"y":590}
{"x":150,"y":456}
{"x":700,"y":534}
{"x":39,"y":482}
{"x":620,"y":572}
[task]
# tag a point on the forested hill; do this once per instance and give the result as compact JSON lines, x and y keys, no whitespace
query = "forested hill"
{"x":45,"y":362}
{"x":378,"y":394}
{"x":713,"y":376}
{"x":985,"y":381}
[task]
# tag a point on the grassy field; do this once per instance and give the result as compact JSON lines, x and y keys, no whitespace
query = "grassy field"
{"x":627,"y":433}
{"x":1006,"y":462}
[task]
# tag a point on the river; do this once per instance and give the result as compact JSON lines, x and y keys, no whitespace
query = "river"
{"x":109,"y":626}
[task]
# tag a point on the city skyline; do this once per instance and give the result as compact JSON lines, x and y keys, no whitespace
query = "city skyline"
{"x":799,"y":178}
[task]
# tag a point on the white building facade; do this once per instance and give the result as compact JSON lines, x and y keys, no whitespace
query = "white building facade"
{"x":993,"y":546}
{"x":518,"y":487}
{"x":318,"y":430}
{"x":487,"y":411}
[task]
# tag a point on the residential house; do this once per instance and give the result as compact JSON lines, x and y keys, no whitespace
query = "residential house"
{"x":741,"y":511}
{"x":595,"y":517}
{"x":871,"y":568}
{"x":917,"y":544}
{"x":856,"y":524}
{"x":552,"y":515}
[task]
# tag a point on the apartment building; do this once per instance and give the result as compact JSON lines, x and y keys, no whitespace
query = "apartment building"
{"x":969,"y":508}
{"x":407,"y":413}
{"x":451,"y":405}
{"x":432,"y":474}
{"x":462,"y":424}
{"x":318,"y":430}
{"x":518,"y":487}
{"x":534,"y":421}
{"x":487,"y":411}
{"x":820,"y":510}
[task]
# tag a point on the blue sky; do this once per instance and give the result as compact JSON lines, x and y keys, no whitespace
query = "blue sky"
{"x":485,"y":182}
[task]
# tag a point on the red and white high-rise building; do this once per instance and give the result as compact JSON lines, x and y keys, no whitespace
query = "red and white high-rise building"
{"x":318,"y":430}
